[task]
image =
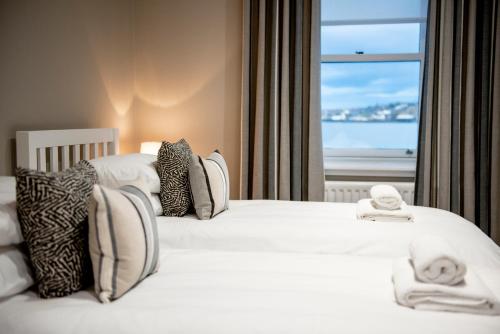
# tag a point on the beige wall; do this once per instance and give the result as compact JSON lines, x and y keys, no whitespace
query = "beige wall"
{"x":63,"y":64}
{"x":158,"y":70}
{"x":188,"y":75}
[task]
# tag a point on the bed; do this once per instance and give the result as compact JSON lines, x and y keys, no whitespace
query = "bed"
{"x":266,"y":267}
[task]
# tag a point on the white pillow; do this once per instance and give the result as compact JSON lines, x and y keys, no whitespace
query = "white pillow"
{"x":155,"y":202}
{"x":15,"y":273}
{"x":10,"y":229}
{"x":114,"y":170}
{"x":7,"y":189}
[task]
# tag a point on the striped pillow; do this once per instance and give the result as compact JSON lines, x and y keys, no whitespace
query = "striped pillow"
{"x":209,"y":185}
{"x":123,"y":239}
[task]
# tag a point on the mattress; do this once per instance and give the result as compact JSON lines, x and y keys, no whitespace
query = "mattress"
{"x":271,"y":267}
{"x":203,"y":291}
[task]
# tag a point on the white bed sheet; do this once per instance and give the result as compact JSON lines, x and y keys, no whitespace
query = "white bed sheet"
{"x":329,"y":228}
{"x":199,"y":291}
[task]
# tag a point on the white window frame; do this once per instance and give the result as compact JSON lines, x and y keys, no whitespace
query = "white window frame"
{"x":374,"y":162}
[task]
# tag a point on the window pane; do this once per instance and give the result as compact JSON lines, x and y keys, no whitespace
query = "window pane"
{"x":370,"y":39}
{"x":370,"y":105}
{"x":372,"y":9}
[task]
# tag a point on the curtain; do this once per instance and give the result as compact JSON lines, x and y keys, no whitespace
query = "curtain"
{"x":458,"y":165}
{"x":282,"y":154}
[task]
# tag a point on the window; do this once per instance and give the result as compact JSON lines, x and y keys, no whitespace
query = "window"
{"x":372,"y":54}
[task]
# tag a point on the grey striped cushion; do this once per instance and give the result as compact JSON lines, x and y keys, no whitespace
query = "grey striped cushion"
{"x":209,"y":185}
{"x":123,"y":239}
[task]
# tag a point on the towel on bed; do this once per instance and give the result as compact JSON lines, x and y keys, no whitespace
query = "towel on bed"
{"x":385,"y":197}
{"x":435,"y":261}
{"x":470,"y":296}
{"x":366,"y":211}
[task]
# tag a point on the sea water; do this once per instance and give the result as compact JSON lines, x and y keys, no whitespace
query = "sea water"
{"x":384,"y":135}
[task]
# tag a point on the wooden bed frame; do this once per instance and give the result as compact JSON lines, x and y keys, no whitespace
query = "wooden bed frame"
{"x":55,"y":150}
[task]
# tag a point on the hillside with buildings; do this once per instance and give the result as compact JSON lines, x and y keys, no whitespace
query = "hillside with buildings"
{"x":392,"y":112}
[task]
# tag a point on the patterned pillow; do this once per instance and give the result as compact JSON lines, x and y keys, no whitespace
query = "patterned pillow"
{"x":123,"y":239}
{"x":173,"y":168}
{"x":52,"y":211}
{"x":209,"y":185}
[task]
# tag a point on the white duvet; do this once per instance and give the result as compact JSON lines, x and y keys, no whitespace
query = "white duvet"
{"x":325,"y":228}
{"x":199,"y":291}
{"x":272,"y":267}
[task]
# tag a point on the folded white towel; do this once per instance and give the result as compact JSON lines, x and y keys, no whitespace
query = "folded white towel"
{"x":435,"y":261}
{"x":470,"y":296}
{"x":385,"y":197}
{"x":366,"y":211}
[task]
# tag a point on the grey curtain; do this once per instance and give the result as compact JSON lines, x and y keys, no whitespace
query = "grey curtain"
{"x":458,"y":167}
{"x":281,"y":118}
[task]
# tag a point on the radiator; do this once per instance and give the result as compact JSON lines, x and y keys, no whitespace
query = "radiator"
{"x":350,"y":191}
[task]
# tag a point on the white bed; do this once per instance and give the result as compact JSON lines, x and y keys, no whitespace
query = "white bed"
{"x":200,"y":291}
{"x":272,"y":267}
{"x":323,"y":228}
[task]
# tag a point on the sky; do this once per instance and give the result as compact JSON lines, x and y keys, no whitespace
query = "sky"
{"x":351,"y":85}
{"x":348,"y":85}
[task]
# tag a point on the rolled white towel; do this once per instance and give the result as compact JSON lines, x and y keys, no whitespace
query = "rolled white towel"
{"x":470,"y":296}
{"x":366,"y":211}
{"x":435,"y":261}
{"x":385,"y":197}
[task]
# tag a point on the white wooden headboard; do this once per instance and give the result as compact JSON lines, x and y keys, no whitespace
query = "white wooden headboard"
{"x":54,"y":150}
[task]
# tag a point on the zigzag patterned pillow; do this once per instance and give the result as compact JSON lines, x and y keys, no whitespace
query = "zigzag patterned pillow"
{"x":52,"y":211}
{"x":173,"y":168}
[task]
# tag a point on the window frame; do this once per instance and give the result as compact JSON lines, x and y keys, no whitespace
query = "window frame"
{"x":355,"y":160}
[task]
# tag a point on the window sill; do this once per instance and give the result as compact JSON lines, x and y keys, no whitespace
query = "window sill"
{"x":367,"y":166}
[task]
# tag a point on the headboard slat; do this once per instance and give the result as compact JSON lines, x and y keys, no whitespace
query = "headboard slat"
{"x":96,"y":150}
{"x":105,"y":149}
{"x":86,"y":152}
{"x":31,"y":146}
{"x":76,"y":154}
{"x":65,"y":157}
{"x":42,"y":162}
{"x":54,"y":159}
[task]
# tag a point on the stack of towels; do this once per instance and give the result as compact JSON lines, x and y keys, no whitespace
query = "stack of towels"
{"x":385,"y":204}
{"x":434,"y":278}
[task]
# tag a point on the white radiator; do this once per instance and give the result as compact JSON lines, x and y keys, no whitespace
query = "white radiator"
{"x":351,"y":192}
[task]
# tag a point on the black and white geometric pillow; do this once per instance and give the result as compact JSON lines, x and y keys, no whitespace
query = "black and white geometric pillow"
{"x":52,"y":211}
{"x":173,"y":169}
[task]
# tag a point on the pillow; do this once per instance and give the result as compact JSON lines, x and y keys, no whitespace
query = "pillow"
{"x":155,"y":202}
{"x":123,"y":239}
{"x":52,"y":211}
{"x":209,"y":185}
{"x":15,"y":273}
{"x":10,"y":230}
{"x":173,"y":169}
{"x":7,"y":189}
{"x":114,"y":170}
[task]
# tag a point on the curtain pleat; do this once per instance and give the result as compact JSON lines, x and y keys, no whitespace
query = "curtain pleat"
{"x":281,"y":117}
{"x":457,"y":165}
